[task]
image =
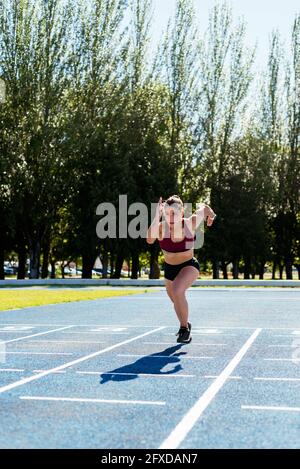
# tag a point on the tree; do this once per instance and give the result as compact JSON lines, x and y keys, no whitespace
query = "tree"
{"x":33,"y":60}
{"x":225,"y":70}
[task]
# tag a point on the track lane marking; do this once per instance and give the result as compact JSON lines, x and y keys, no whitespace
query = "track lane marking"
{"x":164,"y":356}
{"x":74,"y":362}
{"x":192,"y":416}
{"x":276,"y":379}
{"x":266,"y":407}
{"x":192,"y":343}
{"x":35,"y":335}
{"x":78,"y":399}
{"x":38,"y":353}
{"x":157,"y":375}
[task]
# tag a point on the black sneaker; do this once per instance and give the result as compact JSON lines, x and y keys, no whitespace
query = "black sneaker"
{"x":184,"y":334}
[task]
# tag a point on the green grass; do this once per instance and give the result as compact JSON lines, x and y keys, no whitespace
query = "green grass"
{"x":12,"y":298}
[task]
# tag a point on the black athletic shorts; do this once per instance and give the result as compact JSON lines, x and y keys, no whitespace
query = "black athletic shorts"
{"x":171,"y":271}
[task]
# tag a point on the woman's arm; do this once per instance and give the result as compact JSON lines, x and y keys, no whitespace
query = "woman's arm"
{"x":202,"y":213}
{"x":153,"y":230}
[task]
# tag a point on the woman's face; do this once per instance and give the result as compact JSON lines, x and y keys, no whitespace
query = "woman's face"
{"x":172,"y":213}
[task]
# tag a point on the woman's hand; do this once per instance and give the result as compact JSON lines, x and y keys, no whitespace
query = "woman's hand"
{"x":153,"y":230}
{"x":210,"y":219}
{"x":159,"y":208}
{"x":210,"y":214}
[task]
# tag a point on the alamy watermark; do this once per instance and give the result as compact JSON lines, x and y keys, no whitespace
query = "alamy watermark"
{"x":138,"y":225}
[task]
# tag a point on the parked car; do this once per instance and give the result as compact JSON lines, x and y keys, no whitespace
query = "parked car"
{"x":99,"y":271}
{"x":69,"y":271}
{"x":10,"y":270}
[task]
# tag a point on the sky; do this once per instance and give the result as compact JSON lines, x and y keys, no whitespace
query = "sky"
{"x":261,"y":17}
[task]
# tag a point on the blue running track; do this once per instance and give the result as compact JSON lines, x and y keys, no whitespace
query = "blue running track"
{"x":108,"y":373}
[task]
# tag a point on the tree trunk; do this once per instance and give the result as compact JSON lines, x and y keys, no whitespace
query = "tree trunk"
{"x":274,"y":270}
{"x":119,"y":264}
{"x":262,"y":270}
{"x":289,"y":269}
{"x":52,"y":263}
{"x":88,"y":262}
{"x":21,"y":260}
{"x":224,"y":270}
{"x":247,"y":268}
{"x":104,"y":260}
{"x":112,"y":264}
{"x":135,"y":265}
{"x":235,"y":269}
{"x":216,"y":273}
{"x":298,"y":268}
{"x":281,"y":271}
{"x":34,"y":256}
{"x":154,"y":266}
{"x":129,"y":267}
{"x":45,"y":264}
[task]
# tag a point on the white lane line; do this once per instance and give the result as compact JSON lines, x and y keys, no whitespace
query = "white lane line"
{"x":96,"y":332}
{"x":262,"y":407}
{"x":133,"y":297}
{"x":157,"y":375}
{"x":108,"y":329}
{"x":282,"y":359}
{"x":75,"y":399}
{"x":66,"y":342}
{"x":41,"y":371}
{"x":75,"y":362}
{"x":216,"y":376}
{"x":288,"y":336}
{"x":136,"y":326}
{"x":163,"y":356}
{"x":190,"y":419}
{"x":76,"y":325}
{"x":35,"y":335}
{"x":11,"y":369}
{"x":277,"y":379}
{"x":207,"y":334}
{"x":16,"y":328}
{"x":271,"y":298}
{"x":192,"y":343}
{"x":38,"y":353}
{"x":284,"y":346}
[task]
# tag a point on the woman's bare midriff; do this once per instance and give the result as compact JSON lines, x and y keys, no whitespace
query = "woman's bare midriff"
{"x":175,"y":258}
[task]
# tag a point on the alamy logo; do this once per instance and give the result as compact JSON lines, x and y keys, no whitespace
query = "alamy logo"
{"x":115,"y":223}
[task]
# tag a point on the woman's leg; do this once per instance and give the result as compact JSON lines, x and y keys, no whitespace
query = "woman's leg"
{"x":181,"y":283}
{"x":169,"y":288}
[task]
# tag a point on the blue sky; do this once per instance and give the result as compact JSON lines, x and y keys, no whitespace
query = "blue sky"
{"x":261,"y":16}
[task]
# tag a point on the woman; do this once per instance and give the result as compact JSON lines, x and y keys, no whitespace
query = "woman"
{"x":176,"y":237}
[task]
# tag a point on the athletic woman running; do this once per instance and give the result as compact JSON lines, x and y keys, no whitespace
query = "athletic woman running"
{"x":176,"y":237}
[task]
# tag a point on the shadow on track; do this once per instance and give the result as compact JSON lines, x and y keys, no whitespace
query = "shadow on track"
{"x":148,"y":364}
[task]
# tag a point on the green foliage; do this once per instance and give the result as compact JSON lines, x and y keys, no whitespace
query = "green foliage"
{"x":88,"y":115}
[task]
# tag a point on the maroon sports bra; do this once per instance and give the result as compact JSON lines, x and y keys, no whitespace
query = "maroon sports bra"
{"x":185,"y":245}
